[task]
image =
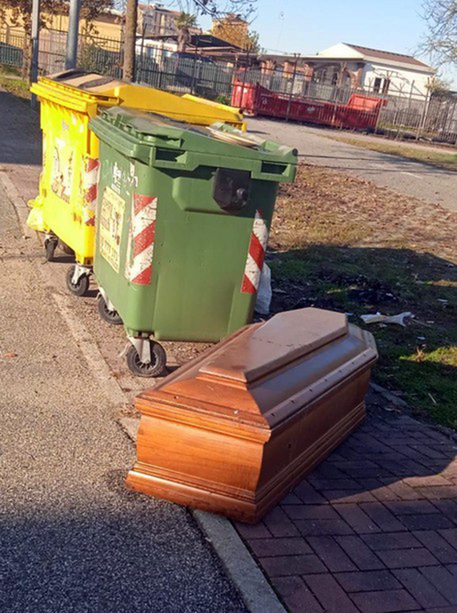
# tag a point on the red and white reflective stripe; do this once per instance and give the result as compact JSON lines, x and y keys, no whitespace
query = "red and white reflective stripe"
{"x":143,"y":225}
{"x":256,"y":256}
{"x":90,"y":183}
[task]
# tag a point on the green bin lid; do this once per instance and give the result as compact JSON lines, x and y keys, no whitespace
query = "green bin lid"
{"x":159,"y":141}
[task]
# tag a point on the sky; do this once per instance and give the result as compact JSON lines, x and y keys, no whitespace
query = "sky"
{"x":309,"y":26}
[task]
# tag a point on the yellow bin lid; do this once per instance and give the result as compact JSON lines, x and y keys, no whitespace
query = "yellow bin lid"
{"x":76,"y":90}
{"x":80,"y":91}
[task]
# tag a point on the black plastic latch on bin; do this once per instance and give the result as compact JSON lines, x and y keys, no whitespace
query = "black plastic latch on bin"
{"x":231,"y":188}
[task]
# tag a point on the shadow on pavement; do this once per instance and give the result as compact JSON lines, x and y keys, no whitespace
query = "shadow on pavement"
{"x":20,"y":141}
{"x":120,"y":555}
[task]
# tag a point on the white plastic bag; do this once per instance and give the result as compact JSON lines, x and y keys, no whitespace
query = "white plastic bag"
{"x":262,"y":306}
{"x":386,"y":319}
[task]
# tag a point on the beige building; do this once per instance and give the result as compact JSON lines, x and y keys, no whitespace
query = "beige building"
{"x":107,"y":25}
{"x":153,"y":20}
{"x":156,"y":20}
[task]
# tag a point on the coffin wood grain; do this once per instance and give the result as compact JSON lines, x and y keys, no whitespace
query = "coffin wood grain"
{"x":233,"y":431}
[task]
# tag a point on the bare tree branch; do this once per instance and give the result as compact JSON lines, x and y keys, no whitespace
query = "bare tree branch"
{"x":218,"y":8}
{"x":440,"y":42}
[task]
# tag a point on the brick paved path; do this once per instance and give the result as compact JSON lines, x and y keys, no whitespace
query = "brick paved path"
{"x":373,"y":529}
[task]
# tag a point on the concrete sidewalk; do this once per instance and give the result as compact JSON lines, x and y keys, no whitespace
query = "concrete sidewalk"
{"x":373,"y":529}
{"x":72,"y":538}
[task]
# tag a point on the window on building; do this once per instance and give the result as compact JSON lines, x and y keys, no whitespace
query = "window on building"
{"x":377,"y":85}
{"x":385,"y":87}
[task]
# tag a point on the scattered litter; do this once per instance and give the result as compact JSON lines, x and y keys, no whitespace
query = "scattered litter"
{"x":391,"y":410}
{"x":10,"y":355}
{"x":262,"y":305}
{"x":387,"y":319}
{"x":420,"y":338}
{"x":433,"y":400}
{"x":122,"y":353}
{"x":279,"y":291}
{"x":442,"y":300}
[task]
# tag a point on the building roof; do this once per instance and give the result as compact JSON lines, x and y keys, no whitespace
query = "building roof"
{"x":387,"y":55}
{"x":201,"y":41}
{"x":343,"y":52}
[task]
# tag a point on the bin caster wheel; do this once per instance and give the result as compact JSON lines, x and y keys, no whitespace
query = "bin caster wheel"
{"x":109,"y":315}
{"x":50,"y":245}
{"x":154,"y":368}
{"x":81,"y":286}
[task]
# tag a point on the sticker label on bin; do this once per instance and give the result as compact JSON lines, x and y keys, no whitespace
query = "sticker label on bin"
{"x":62,"y":168}
{"x":111,"y":221}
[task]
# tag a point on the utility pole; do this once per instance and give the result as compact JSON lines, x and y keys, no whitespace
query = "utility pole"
{"x":130,"y":40}
{"x":35,"y":46}
{"x":294,"y":74}
{"x":72,"y":36}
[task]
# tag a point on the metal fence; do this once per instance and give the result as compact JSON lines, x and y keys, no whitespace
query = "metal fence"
{"x":11,"y":47}
{"x":433,"y":118}
{"x":402,"y":115}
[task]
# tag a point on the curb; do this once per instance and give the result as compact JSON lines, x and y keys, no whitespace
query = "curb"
{"x":255,"y":591}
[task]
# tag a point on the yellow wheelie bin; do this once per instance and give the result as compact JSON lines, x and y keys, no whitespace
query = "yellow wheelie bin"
{"x":65,"y":206}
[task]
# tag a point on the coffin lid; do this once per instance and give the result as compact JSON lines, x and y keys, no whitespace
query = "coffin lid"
{"x":277,"y":342}
{"x":266,"y":372}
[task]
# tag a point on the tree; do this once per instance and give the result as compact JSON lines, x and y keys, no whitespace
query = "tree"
{"x":90,"y":10}
{"x":235,"y":31}
{"x":439,"y":86}
{"x":184,"y":23}
{"x":214,"y":8}
{"x":440,"y":41}
{"x":131,"y":14}
{"x":20,"y":15}
{"x":219,"y":8}
{"x":253,"y":45}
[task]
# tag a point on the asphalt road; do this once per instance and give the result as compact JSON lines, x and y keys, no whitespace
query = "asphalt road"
{"x":72,"y":538}
{"x":316,"y":146}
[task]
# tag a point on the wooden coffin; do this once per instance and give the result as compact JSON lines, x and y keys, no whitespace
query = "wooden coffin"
{"x":233,"y":431}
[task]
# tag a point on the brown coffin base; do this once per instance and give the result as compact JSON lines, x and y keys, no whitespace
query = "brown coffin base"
{"x":238,"y":428}
{"x":246,"y":508}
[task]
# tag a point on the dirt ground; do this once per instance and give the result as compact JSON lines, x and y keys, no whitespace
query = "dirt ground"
{"x":343,"y":243}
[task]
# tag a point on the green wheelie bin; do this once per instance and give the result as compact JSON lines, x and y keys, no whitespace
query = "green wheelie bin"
{"x":182,"y":223}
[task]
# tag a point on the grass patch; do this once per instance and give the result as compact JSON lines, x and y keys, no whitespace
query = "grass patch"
{"x":426,"y":156}
{"x":15,"y":86}
{"x":344,"y":244}
{"x":5,"y":69}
